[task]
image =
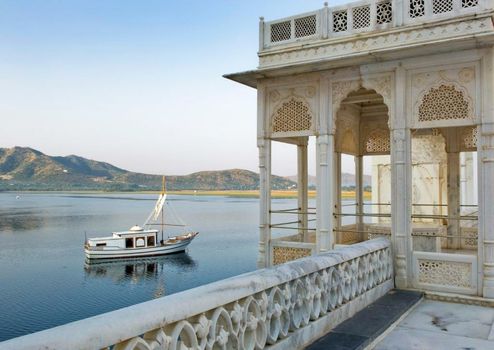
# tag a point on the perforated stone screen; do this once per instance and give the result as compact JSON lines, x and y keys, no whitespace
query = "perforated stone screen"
{"x":305,"y":26}
{"x":283,"y":255}
{"x":469,"y":3}
{"x":384,"y":12}
{"x":292,"y":115}
{"x":446,"y":273}
{"x":378,"y":141}
{"x":361,"y":17}
{"x":281,"y":31}
{"x":443,"y":103}
{"x":469,"y":138}
{"x":442,"y":6}
{"x":340,"y":21}
{"x":417,"y":8}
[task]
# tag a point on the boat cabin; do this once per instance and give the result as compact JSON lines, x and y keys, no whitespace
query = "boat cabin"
{"x":135,"y":237}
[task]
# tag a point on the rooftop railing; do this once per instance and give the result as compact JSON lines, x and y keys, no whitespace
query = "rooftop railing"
{"x":360,"y":17}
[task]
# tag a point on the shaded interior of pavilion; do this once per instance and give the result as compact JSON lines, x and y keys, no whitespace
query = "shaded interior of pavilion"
{"x":443,"y":181}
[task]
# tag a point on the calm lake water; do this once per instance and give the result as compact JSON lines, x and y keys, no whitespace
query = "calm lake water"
{"x":44,"y":281}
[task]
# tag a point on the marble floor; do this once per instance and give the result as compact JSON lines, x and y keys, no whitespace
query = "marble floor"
{"x":439,"y":325}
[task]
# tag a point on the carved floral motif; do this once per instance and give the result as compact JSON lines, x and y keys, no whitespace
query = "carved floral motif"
{"x":466,"y":75}
{"x":341,"y":89}
{"x":274,"y":95}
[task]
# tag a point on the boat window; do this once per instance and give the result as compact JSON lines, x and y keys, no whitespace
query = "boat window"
{"x":140,"y":242}
{"x":129,"y":243}
{"x":150,"y":241}
{"x":100,"y":244}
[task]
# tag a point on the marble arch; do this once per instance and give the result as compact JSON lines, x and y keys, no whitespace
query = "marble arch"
{"x":432,"y":64}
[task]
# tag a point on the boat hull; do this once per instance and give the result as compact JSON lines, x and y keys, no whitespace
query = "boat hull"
{"x":109,"y":253}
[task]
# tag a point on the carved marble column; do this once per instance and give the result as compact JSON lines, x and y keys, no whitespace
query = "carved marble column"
{"x":454,"y":200}
{"x":264,"y":257}
{"x":485,"y":157}
{"x":359,"y":193}
{"x":325,"y":195}
{"x":401,"y":205}
{"x":303,"y":187}
{"x":337,"y":197}
{"x":486,"y":205}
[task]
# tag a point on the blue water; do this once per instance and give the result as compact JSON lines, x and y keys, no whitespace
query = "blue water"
{"x":44,"y":281}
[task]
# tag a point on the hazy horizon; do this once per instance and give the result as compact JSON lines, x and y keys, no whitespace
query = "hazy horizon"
{"x":169,"y":174}
{"x":138,"y":84}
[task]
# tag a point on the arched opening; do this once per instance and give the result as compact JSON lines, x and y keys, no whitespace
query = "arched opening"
{"x":362,"y":208}
{"x":290,"y":208}
{"x":445,"y":208}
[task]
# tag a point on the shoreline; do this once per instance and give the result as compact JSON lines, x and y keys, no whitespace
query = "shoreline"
{"x":275,"y":194}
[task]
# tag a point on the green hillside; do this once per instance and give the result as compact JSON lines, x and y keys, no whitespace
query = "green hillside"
{"x":24,"y":168}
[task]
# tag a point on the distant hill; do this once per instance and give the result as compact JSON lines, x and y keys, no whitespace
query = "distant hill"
{"x":23,"y":168}
{"x":347,"y":180}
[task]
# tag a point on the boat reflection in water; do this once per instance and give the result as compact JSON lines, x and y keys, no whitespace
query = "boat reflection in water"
{"x":139,"y":270}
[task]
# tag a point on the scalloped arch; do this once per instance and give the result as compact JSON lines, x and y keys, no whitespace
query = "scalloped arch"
{"x":382,"y":85}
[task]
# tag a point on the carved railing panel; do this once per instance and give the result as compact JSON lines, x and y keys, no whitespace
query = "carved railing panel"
{"x":361,"y":16}
{"x":249,"y":311}
{"x":456,"y":273}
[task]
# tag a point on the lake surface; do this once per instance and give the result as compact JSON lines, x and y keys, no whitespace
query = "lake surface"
{"x":45,"y":281}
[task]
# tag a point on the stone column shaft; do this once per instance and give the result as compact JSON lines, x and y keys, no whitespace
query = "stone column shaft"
{"x":325,"y":199}
{"x":454,"y":200}
{"x":401,"y":205}
{"x":264,"y":258}
{"x":359,"y":193}
{"x":303,"y":187}
{"x":486,"y":206}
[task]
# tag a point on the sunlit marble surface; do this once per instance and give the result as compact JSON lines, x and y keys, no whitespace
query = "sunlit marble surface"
{"x":439,"y":325}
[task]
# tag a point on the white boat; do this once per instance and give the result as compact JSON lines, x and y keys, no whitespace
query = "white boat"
{"x":140,"y":241}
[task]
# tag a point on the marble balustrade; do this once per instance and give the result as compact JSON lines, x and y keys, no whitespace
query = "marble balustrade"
{"x":361,"y":16}
{"x":287,"y":306}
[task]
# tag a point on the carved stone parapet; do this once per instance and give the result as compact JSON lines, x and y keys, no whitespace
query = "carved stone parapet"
{"x":250,"y":311}
{"x":376,"y":42}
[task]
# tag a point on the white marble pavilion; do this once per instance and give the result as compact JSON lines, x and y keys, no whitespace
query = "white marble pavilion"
{"x":412,"y":80}
{"x":405,"y":84}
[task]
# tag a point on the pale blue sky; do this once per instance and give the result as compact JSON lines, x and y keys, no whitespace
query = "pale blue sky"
{"x":136,"y":83}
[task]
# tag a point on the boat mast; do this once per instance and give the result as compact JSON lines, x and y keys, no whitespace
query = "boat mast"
{"x":163,"y":191}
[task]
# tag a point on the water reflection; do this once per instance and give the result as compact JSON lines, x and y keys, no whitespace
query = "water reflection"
{"x":119,"y":198}
{"x":139,"y":270}
{"x":20,"y":221}
{"x":42,"y":270}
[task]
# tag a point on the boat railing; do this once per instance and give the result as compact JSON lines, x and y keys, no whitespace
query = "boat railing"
{"x":287,"y":306}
